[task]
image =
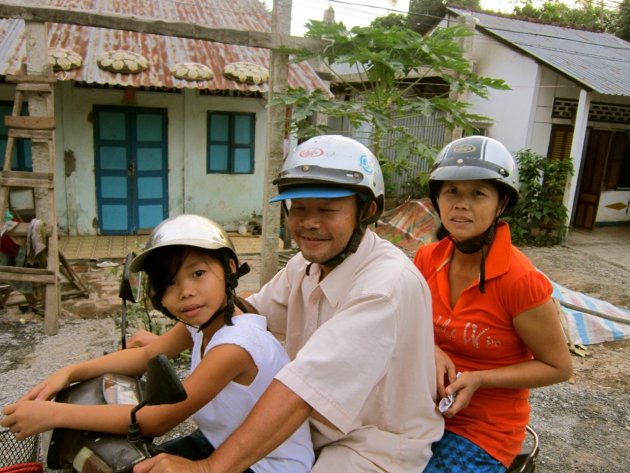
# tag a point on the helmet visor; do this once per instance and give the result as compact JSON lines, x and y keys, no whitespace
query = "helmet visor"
{"x":312,"y":192}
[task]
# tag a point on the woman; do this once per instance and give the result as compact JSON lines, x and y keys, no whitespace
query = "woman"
{"x":496,"y":328}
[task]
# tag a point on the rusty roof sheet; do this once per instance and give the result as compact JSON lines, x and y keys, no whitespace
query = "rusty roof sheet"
{"x":600,"y":62}
{"x":162,"y":52}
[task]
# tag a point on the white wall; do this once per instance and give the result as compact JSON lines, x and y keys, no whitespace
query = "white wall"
{"x":228,"y":199}
{"x":606,"y":214}
{"x":512,"y":109}
{"x":523,"y":115}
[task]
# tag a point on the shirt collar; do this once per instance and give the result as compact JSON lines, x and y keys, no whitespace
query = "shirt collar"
{"x":497,"y":258}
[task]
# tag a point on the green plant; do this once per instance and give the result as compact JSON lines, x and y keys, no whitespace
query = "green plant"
{"x":540,"y":218}
{"x":584,"y":14}
{"x":391,"y":67}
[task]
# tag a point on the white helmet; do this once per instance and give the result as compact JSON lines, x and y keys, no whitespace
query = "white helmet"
{"x":331,"y":166}
{"x":197,"y":232}
{"x":187,"y":230}
{"x":476,"y":158}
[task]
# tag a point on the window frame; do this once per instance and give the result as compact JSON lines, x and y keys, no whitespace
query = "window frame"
{"x":232,"y":146}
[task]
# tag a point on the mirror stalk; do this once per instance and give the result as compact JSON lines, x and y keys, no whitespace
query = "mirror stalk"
{"x":133,"y":432}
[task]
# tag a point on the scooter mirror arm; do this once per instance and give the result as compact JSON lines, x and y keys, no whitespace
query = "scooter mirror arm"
{"x":133,"y":432}
{"x":127,"y":292}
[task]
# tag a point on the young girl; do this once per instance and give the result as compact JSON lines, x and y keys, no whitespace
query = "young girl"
{"x":192,"y":273}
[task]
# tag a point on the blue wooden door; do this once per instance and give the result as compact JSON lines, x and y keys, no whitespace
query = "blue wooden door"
{"x":131,"y":168}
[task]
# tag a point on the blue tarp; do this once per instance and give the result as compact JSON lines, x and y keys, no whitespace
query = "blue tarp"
{"x":585,"y":328}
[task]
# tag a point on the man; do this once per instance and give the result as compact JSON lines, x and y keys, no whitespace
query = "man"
{"x":356,"y":318}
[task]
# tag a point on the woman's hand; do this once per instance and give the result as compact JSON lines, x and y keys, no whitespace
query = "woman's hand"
{"x":26,"y":418}
{"x":44,"y":391}
{"x":445,"y":369}
{"x":464,"y":387}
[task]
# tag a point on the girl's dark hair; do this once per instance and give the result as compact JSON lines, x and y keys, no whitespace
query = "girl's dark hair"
{"x":162,"y":265}
{"x":245,"y":306}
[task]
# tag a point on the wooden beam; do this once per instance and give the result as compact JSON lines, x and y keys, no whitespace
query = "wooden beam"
{"x":28,"y":83}
{"x":35,"y":88}
{"x":27,"y":179}
{"x":29,"y":123}
{"x":36,"y":275}
{"x":256,"y":39}
{"x":21,"y":230}
{"x":276,"y":127}
{"x":35,"y":135}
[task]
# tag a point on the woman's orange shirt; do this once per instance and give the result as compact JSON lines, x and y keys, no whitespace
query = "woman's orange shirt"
{"x":478,"y":334}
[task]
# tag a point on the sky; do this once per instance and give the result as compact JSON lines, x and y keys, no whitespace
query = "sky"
{"x":362,"y":12}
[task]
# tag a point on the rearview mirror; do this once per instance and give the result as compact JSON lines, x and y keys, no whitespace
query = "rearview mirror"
{"x":131,"y":283}
{"x":129,"y":291}
{"x":163,"y":386}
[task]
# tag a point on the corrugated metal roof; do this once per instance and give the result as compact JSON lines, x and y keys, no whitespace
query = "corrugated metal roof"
{"x":162,"y":52}
{"x":600,"y":62}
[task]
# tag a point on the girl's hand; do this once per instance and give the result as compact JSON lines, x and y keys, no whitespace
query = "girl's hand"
{"x":26,"y":418}
{"x":445,"y":369}
{"x":465,"y":386}
{"x":45,"y":390}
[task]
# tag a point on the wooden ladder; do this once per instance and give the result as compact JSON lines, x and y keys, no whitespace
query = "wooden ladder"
{"x":41,"y":131}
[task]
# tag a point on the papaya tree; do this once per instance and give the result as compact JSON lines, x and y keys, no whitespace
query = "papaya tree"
{"x":389,"y":65}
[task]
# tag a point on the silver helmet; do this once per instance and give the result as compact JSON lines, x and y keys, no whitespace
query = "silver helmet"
{"x":188,"y":230}
{"x":325,"y":166}
{"x":191,"y":231}
{"x":476,"y":158}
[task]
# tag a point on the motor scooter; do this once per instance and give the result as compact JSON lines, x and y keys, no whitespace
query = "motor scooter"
{"x":95,"y":452}
{"x":525,"y":462}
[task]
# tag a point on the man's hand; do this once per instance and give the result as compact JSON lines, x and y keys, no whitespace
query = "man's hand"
{"x":164,"y":463}
{"x":141,"y":339}
{"x":444,"y":369}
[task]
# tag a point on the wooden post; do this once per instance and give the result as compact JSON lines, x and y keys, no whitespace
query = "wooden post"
{"x":276,"y":119}
{"x":36,"y":36}
{"x":280,"y":36}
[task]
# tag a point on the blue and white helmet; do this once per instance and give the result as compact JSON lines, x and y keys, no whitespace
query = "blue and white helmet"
{"x":330,"y":166}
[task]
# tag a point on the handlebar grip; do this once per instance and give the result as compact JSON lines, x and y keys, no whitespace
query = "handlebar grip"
{"x":154,"y":449}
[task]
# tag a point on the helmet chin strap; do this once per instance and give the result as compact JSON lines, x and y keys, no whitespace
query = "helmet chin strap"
{"x":476,"y":244}
{"x":220,"y":311}
{"x":351,"y":247}
{"x":353,"y":243}
{"x":480,"y":243}
{"x":231,"y":282}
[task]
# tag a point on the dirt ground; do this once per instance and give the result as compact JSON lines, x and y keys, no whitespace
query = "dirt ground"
{"x":583,"y":426}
